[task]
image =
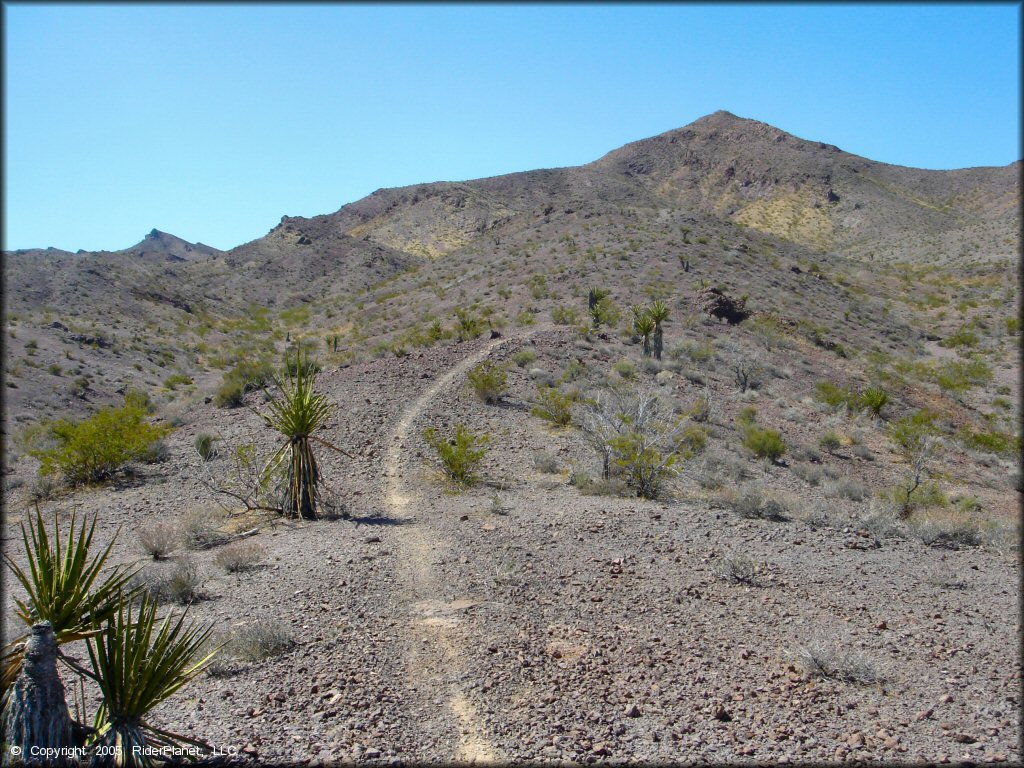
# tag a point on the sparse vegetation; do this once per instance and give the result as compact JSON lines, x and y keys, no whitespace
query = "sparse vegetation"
{"x":488,"y":380}
{"x":553,"y":405}
{"x":95,"y":449}
{"x":460,"y":455}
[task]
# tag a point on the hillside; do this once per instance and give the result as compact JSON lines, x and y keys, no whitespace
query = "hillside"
{"x":792,"y":536}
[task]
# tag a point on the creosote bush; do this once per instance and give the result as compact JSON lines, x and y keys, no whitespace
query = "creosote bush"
{"x":765,"y":443}
{"x":488,"y":381}
{"x":554,"y":405}
{"x":95,"y":449}
{"x":460,"y":455}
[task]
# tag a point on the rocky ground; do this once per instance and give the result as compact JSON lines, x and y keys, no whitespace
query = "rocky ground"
{"x":520,"y":621}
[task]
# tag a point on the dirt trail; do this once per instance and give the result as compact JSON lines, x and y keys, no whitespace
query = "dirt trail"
{"x":438,"y":631}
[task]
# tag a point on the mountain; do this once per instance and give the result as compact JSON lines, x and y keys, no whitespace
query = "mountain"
{"x":725,"y":200}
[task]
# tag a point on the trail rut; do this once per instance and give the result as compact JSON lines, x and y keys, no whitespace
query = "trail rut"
{"x":437,"y":629}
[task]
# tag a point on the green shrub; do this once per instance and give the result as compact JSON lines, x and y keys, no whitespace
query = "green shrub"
{"x":999,"y":443}
{"x":625,"y":369}
{"x":244,"y":376}
{"x":93,"y":450}
{"x":176,"y":380}
{"x":746,"y":417}
{"x":554,"y":405}
{"x":230,"y":394}
{"x":524,"y":357}
{"x":963,"y":337}
{"x":834,"y":396}
{"x":525,"y":318}
{"x":830,"y":441}
{"x":765,"y":443}
{"x":461,"y":455}
{"x":488,"y":381}
{"x":565,"y":316}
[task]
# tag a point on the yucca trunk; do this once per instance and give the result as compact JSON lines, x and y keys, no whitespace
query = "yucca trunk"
{"x":35,"y":710}
{"x":659,"y":343}
{"x":303,"y":478}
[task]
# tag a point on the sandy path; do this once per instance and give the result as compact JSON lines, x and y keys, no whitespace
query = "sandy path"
{"x":437,"y":630}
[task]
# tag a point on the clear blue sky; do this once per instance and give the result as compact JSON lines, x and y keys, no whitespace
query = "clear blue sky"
{"x":211,"y":122}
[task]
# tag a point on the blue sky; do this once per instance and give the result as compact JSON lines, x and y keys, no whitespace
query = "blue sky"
{"x":213,"y":121}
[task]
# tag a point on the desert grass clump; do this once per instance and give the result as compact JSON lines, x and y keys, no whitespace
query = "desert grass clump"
{"x":159,"y":539}
{"x":809,"y":473}
{"x":205,"y":445}
{"x":822,"y":658}
{"x":261,"y":640}
{"x":201,"y":528}
{"x":946,"y":530}
{"x":241,"y":556}
{"x":545,"y":462}
{"x":296,"y":413}
{"x":460,"y":455}
{"x":846,"y":488}
{"x":753,"y":503}
{"x":717,"y":470}
{"x":488,"y":380}
{"x":830,"y":442}
{"x":524,"y":357}
{"x":181,"y":583}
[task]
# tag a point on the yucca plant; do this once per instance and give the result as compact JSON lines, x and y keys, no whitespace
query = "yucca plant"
{"x":63,"y":586}
{"x":658,"y":312}
{"x":137,"y":665}
{"x":643,"y":326}
{"x":296,"y":414}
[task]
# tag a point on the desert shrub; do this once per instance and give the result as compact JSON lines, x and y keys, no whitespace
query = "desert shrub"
{"x":565,"y":316}
{"x":765,"y":443}
{"x":461,"y":455}
{"x":241,"y":556}
{"x":598,"y":486}
{"x":526,"y":318}
{"x":993,"y":441}
{"x":862,"y":451}
{"x":554,"y":405}
{"x":488,"y":380}
{"x":717,"y":470}
{"x":524,"y":357}
{"x":915,"y":438}
{"x":835,"y":660}
{"x":625,"y":368}
{"x":200,"y":528}
{"x":962,"y":337}
{"x":830,"y":441}
{"x":881,"y":519}
{"x":746,"y":417}
{"x":947,"y":531}
{"x":179,"y":581}
{"x":176,"y":380}
{"x":159,"y":539}
{"x":244,"y":376}
{"x":573,"y":370}
{"x":846,"y":488}
{"x":752,"y":503}
{"x":156,"y":452}
{"x":204,"y":445}
{"x":834,"y":396}
{"x":633,"y":430}
{"x":694,"y":352}
{"x":738,"y":569}
{"x":94,"y":449}
{"x":260,"y":641}
{"x":545,"y":462}
{"x":809,"y":473}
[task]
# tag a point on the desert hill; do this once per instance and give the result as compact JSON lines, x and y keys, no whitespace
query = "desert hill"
{"x":827,"y":570}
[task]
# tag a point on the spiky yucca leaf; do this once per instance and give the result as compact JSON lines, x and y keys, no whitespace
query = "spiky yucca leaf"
{"x":139,"y":664}
{"x":296,"y":414}
{"x":63,"y":585}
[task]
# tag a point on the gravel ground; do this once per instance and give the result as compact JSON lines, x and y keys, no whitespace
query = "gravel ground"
{"x":520,"y":621}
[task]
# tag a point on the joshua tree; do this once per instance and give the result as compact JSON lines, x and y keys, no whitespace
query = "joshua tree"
{"x":658,"y":312}
{"x":643,"y":326}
